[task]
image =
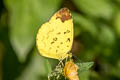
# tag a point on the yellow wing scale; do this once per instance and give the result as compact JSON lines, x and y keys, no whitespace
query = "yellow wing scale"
{"x":55,"y":38}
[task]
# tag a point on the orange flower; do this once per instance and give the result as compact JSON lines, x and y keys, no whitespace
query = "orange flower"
{"x":70,"y":70}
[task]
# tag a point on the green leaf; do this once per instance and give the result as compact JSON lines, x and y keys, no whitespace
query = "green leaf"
{"x":36,"y":69}
{"x":25,"y":17}
{"x":48,"y":67}
{"x":84,"y":66}
{"x":84,"y":75}
{"x":84,"y":24}
{"x":107,"y":36}
{"x":117,"y":23}
{"x":118,"y":1}
{"x":83,"y":70}
{"x":96,"y":8}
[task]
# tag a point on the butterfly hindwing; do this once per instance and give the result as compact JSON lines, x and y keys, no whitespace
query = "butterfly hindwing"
{"x":55,"y":38}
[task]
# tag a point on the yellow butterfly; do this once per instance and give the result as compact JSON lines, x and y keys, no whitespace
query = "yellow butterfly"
{"x":55,"y":37}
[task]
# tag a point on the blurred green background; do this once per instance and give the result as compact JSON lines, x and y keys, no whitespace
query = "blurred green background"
{"x":96,"y":37}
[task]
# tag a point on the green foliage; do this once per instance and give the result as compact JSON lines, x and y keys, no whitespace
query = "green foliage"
{"x":25,"y":18}
{"x":96,"y":38}
{"x":84,"y":24}
{"x":117,"y":23}
{"x":36,"y":67}
{"x":84,"y":66}
{"x":83,"y":70}
{"x":95,"y":8}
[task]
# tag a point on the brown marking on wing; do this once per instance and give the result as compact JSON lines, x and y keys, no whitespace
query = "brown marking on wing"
{"x":63,"y":14}
{"x":68,"y":39}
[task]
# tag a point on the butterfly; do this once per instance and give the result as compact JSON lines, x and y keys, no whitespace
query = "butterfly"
{"x":55,"y":37}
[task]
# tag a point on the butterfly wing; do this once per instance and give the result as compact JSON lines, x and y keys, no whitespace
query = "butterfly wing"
{"x":55,"y":38}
